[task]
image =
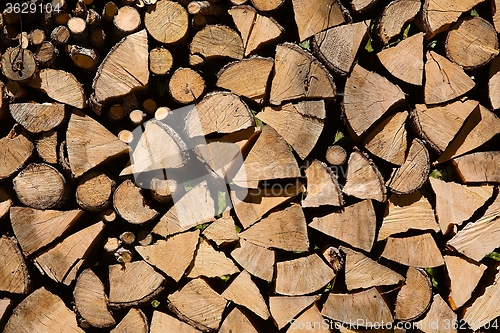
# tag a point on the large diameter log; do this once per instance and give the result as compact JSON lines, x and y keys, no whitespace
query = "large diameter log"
{"x":18,"y":64}
{"x":14,"y":276}
{"x":237,"y":321}
{"x":15,"y":149}
{"x":479,"y":167}
{"x":38,"y":118}
{"x":61,"y":86}
{"x":167,"y":31}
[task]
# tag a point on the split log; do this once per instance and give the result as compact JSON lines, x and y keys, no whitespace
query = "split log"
{"x":36,"y":37}
{"x":336,"y":155}
{"x":198,"y":304}
{"x":298,"y":75}
{"x":495,"y":12}
{"x":109,"y":11}
{"x":494,"y":83}
{"x":322,"y":186}
{"x":37,"y":118}
{"x":35,"y":229}
{"x":257,"y":260}
{"x":94,"y":191}
{"x":112,"y":245}
{"x":18,"y":64}
{"x":132,"y":284}
{"x":5,"y":203}
{"x":5,"y":307}
{"x":444,"y":80}
{"x":354,"y":225}
{"x":406,"y":60}
{"x":407,"y":212}
{"x":367,"y":97}
{"x":14,"y":276}
{"x":310,"y":320}
{"x":284,"y":308}
{"x":334,"y":258}
{"x":337,"y":47}
{"x":414,"y":172}
{"x":61,"y":86}
{"x":210,"y":263}
{"x":135,"y":321}
{"x":364,"y":181}
{"x":471,"y":43}
{"x":186,"y":85}
{"x":266,"y":6}
{"x":394,"y":16}
{"x":62,"y":262}
{"x":403,"y":250}
{"x":167,"y":31}
{"x":215,"y":41}
{"x":15,"y":149}
{"x":123,"y":256}
{"x":160,"y":61}
{"x":46,"y":147}
{"x":415,"y":296}
{"x":83,"y":57}
{"x":162,"y":190}
{"x":179,"y":248}
{"x":236,"y":321}
{"x":222,"y":231}
{"x":97,"y":37}
{"x":130,"y":204}
{"x":127,"y":21}
{"x":361,"y":6}
{"x":162,"y":322}
{"x":478,"y":167}
{"x":40,"y":186}
{"x":302,"y":276}
{"x":440,"y":313}
{"x":60,"y":35}
{"x":91,"y":302}
{"x":247,"y":78}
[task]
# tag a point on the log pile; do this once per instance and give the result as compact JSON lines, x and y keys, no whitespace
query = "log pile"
{"x":249,"y":166}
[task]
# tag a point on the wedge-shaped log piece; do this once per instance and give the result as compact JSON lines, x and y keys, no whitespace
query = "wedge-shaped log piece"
{"x":46,"y":147}
{"x":367,"y":97}
{"x":36,"y":117}
{"x":302,"y":276}
{"x":362,"y":272}
{"x":296,"y":125}
{"x":179,"y":248}
{"x":313,"y":17}
{"x":5,"y":202}
{"x":361,"y":6}
{"x":309,"y":321}
{"x":215,"y":41}
{"x":405,"y":60}
{"x":15,"y":149}
{"x":444,"y":80}
{"x":94,"y":191}
{"x":131,"y":205}
{"x":285,"y":230}
{"x":362,"y":308}
{"x":14,"y":276}
{"x":394,"y":16}
{"x":124,"y":69}
{"x":222,"y":231}
{"x":494,"y":83}
{"x":414,"y":251}
{"x":285,"y":308}
{"x":257,"y":260}
{"x":162,"y":322}
{"x":266,"y":5}
{"x":91,"y":301}
{"x":198,"y":304}
{"x":134,"y":283}
{"x":42,"y":311}
{"x":414,"y":172}
{"x":322,"y":186}
{"x":457,"y":203}
{"x":364,"y":181}
{"x":298,"y":75}
{"x":415,"y":296}
{"x":135,"y":321}
{"x":61,"y":86}
{"x":5,"y":307}
{"x":89,"y":144}
{"x":354,"y":225}
{"x":62,"y":262}
{"x":479,"y":167}
{"x":236,"y":321}
{"x":211,"y":263}
{"x":244,"y":292}
{"x":36,"y":228}
{"x":439,"y":312}
{"x":164,"y":30}
{"x":247,"y":78}
{"x":439,"y":124}
{"x":406,"y":212}
{"x":388,"y":140}
{"x":337,"y":47}
{"x":336,"y":155}
{"x":486,"y":229}
{"x":256,"y":30}
{"x":464,"y":277}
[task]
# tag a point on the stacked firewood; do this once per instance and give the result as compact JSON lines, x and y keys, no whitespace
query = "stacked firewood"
{"x":249,"y":166}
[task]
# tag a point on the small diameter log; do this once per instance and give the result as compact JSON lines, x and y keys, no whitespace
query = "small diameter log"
{"x":61,"y":86}
{"x":268,"y":5}
{"x":171,"y":31}
{"x":362,"y":6}
{"x":123,"y":256}
{"x":78,"y":29}
{"x":211,"y":263}
{"x":336,"y":155}
{"x":18,"y":64}
{"x":334,"y":258}
{"x":478,"y":167}
{"x":438,"y":312}
{"x":128,"y":238}
{"x":109,"y":11}
{"x":160,"y":61}
{"x":14,"y":276}
{"x":97,"y":37}
{"x":91,"y":302}
{"x":112,"y":245}
{"x":37,"y":37}
{"x":257,"y":260}
{"x":83,"y":57}
{"x":215,"y":41}
{"x":60,"y":35}
{"x":130,"y":204}
{"x":205,"y":8}
{"x":137,"y":117}
{"x":394,"y":16}
{"x":163,"y":189}
{"x":5,"y":308}
{"x":94,"y":191}
{"x":15,"y":149}
{"x":186,"y":85}
{"x":150,"y":106}
{"x":38,"y":118}
{"x":46,"y":53}
{"x":135,"y":321}
{"x":415,"y":251}
{"x":322,"y":186}
{"x":132,"y":284}
{"x":162,"y":322}
{"x":40,"y":186}
{"x":5,"y":203}
{"x":415,"y":296}
{"x":127,"y":21}
{"x":93,"y":18}
{"x":284,"y":308}
{"x":494,"y":84}
{"x":222,"y":231}
{"x":144,"y":238}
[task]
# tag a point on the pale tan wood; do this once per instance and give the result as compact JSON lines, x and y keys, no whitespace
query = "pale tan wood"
{"x":478,"y":167}
{"x":237,"y":321}
{"x":179,"y":248}
{"x":361,"y":6}
{"x":464,"y":277}
{"x":322,"y":186}
{"x":162,"y":189}
{"x":5,"y":307}
{"x":167,"y":31}
{"x":124,"y":256}
{"x":394,"y":16}
{"x":215,"y":41}
{"x":14,"y":275}
{"x":405,"y":60}
{"x":62,"y":262}
{"x":61,"y":86}
{"x":46,"y":53}
{"x":210,"y":263}
{"x":135,"y":321}
{"x":495,"y":12}
{"x":220,"y":156}
{"x":298,"y":75}
{"x":15,"y":149}
{"x":364,"y":306}
{"x":112,"y":244}
{"x":160,"y":61}
{"x":337,"y":47}
{"x":198,"y":304}
{"x":494,"y":83}
{"x":309,"y":321}
{"x":36,"y":37}
{"x":414,"y":251}
{"x":127,"y":237}
{"x":60,"y":35}
{"x":86,"y":151}
{"x":162,"y":322}
{"x":127,"y":20}
{"x":132,"y":284}
{"x":414,"y":172}
{"x":334,"y":258}
{"x":363,"y":180}
{"x":354,"y":225}
{"x":5,"y":202}
{"x":186,"y":85}
{"x":415,"y":296}
{"x":407,"y":212}
{"x":91,"y":301}
{"x":457,"y":203}
{"x":35,"y":229}
{"x":440,"y":313}
{"x":444,"y":80}
{"x":302,"y":276}
{"x":131,"y":205}
{"x":367,"y":97}
{"x":362,"y":272}
{"x":336,"y":155}
{"x":83,"y":57}
{"x":46,"y":146}
{"x":18,"y":64}
{"x":286,"y":230}
{"x":222,"y":231}
{"x":77,"y":28}
{"x":268,"y":5}
{"x":284,"y":308}
{"x":257,"y":260}
{"x":346,"y":329}
{"x":42,"y":311}
{"x":37,"y":118}
{"x":94,"y":191}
